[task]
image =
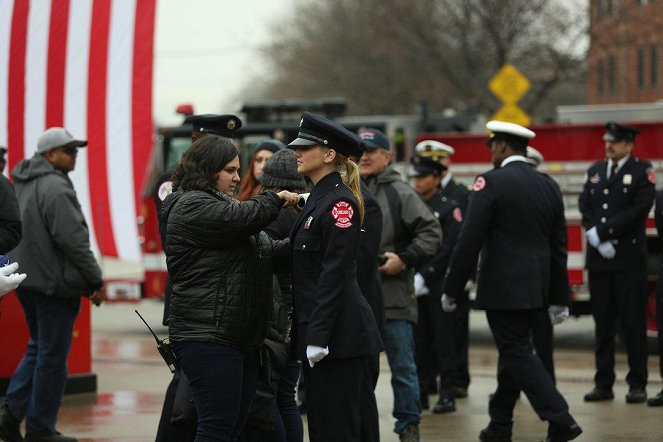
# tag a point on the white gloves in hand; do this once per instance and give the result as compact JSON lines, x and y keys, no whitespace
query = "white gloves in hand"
{"x":448,"y":303}
{"x":593,"y":237}
{"x":558,"y":314}
{"x":315,"y":354}
{"x":607,"y":250}
{"x":420,"y":288}
{"x":8,"y":279}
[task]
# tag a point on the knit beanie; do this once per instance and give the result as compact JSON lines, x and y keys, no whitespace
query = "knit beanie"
{"x":281,"y":171}
{"x":273,"y":145}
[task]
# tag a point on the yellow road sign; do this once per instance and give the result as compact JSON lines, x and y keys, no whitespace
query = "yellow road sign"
{"x":509,"y":84}
{"x":513,"y":114}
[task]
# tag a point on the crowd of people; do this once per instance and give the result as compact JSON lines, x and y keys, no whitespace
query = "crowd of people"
{"x":322,"y":257}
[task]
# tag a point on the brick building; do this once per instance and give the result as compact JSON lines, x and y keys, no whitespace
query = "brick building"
{"x":625,"y":51}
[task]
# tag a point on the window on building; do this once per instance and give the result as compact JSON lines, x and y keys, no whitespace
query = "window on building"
{"x":601,"y":78}
{"x":612,"y":75}
{"x":612,"y":8}
{"x":641,"y":2}
{"x":641,"y":69}
{"x":654,"y":66}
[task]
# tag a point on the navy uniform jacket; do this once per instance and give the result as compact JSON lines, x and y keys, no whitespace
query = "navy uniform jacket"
{"x":658,"y":217}
{"x":330,"y":309}
{"x":618,"y":208}
{"x":457,"y":192}
{"x":450,"y":216}
{"x":516,"y":219}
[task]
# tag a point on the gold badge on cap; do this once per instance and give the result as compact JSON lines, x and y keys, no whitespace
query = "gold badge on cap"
{"x":628,"y":178}
{"x":231,"y":124}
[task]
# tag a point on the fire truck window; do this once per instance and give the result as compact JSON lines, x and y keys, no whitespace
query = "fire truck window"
{"x":176,"y":149}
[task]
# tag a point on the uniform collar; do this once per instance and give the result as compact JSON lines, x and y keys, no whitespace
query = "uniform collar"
{"x":446,"y":180}
{"x":513,"y":158}
{"x":327,"y":183}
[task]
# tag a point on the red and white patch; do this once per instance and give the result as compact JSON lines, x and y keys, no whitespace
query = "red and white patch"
{"x":342,"y":213}
{"x":651,"y":176}
{"x":479,"y":184}
{"x":458,"y":214}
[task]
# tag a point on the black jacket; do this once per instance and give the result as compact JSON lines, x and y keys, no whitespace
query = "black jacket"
{"x":618,"y":208}
{"x":457,"y":192}
{"x":516,"y":219}
{"x":10,"y":217}
{"x":329,"y":306}
{"x":221,"y":266}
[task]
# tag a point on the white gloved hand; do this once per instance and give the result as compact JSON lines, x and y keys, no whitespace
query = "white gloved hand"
{"x":8,"y":279}
{"x":607,"y":250}
{"x":420,"y":288}
{"x":593,"y":237}
{"x":448,"y":303}
{"x":315,"y":354}
{"x":558,"y":314}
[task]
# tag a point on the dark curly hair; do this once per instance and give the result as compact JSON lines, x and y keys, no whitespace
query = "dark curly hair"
{"x":200,"y":164}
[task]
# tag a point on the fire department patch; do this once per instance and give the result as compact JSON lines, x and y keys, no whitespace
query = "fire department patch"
{"x":594,"y":179}
{"x":165,"y":189}
{"x":651,"y":176}
{"x":458,"y":214}
{"x":479,"y":184}
{"x":342,"y":213}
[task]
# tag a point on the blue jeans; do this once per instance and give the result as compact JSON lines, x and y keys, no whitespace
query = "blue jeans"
{"x":398,"y":337}
{"x":223,"y":385}
{"x":35,"y":391}
{"x":288,"y":426}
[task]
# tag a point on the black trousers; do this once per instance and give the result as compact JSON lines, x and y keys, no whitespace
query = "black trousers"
{"x":542,"y":339}
{"x":619,"y":297}
{"x":370,"y":427}
{"x":338,"y":397}
{"x":659,"y":318}
{"x":520,"y":369}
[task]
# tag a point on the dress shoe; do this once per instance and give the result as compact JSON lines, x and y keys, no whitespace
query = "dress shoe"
{"x":445,"y":405}
{"x":9,"y":426}
{"x":656,"y":401}
{"x":55,"y":437}
{"x":597,"y":395}
{"x":564,"y":434}
{"x":410,"y":434}
{"x":460,"y":392}
{"x":636,"y":396}
{"x":489,"y":435}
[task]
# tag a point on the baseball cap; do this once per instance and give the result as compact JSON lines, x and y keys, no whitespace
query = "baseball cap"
{"x":55,"y":137}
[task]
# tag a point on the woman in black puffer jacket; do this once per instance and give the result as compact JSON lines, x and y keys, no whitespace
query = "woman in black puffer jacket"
{"x":221,"y":265}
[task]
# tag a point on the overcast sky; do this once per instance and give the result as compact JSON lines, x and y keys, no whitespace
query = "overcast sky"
{"x":206,"y":49}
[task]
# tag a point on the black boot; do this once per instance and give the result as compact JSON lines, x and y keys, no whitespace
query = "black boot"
{"x":9,"y":426}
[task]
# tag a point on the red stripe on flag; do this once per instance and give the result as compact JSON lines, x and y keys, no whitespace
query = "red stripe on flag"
{"x":96,"y":127}
{"x":141,"y":103}
{"x":16,"y":83}
{"x":57,"y":47}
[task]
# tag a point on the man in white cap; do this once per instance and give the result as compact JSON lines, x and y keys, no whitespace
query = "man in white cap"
{"x":516,"y":219}
{"x":55,"y":252}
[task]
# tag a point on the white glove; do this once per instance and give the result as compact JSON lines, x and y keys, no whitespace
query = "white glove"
{"x":593,"y":237}
{"x":420,"y":288}
{"x":315,"y":354}
{"x":448,"y":303}
{"x":558,"y":314}
{"x":8,"y":279}
{"x":607,"y":250}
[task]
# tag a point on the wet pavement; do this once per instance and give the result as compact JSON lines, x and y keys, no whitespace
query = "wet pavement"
{"x":132,"y":380}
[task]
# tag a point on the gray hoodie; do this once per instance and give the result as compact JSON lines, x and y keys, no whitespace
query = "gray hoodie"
{"x":55,"y":249}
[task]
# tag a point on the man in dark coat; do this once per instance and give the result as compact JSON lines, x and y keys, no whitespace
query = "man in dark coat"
{"x":614,"y":203}
{"x":10,"y":217}
{"x":516,"y":219}
{"x":657,"y":401}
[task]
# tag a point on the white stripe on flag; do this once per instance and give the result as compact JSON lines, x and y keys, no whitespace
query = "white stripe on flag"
{"x":75,"y":100}
{"x":119,"y":158}
{"x":35,"y":74}
{"x":6,"y":10}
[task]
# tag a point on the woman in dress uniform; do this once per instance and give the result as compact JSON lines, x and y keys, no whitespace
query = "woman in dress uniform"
{"x":336,"y":329}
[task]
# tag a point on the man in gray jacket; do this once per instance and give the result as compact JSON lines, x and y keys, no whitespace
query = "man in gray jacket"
{"x":55,"y":252}
{"x":410,"y":234}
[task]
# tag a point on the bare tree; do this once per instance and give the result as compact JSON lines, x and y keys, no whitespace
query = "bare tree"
{"x":384,"y":56}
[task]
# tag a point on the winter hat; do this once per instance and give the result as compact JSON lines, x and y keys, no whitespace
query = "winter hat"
{"x":273,"y":145}
{"x":281,"y":171}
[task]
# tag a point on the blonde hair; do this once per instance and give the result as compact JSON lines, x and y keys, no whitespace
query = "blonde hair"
{"x":351,"y":178}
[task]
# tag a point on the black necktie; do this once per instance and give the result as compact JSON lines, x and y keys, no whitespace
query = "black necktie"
{"x":613,"y":170}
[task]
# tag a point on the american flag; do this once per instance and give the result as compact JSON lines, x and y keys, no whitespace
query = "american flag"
{"x":85,"y":65}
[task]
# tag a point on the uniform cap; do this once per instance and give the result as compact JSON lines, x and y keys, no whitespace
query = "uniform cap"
{"x":55,"y":137}
{"x":317,"y":130}
{"x":223,"y":125}
{"x":533,"y":157}
{"x":272,"y":144}
{"x":433,"y":149}
{"x":281,"y":171}
{"x":510,"y":132}
{"x":618,"y":132}
{"x":423,"y":166}
{"x":374,"y":139}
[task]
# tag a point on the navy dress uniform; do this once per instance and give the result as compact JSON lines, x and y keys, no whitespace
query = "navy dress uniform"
{"x":437,"y":332}
{"x":516,"y":219}
{"x":657,"y":401}
{"x":614,"y":203}
{"x":330,"y":310}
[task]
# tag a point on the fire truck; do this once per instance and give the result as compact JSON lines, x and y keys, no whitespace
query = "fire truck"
{"x":568,"y":150}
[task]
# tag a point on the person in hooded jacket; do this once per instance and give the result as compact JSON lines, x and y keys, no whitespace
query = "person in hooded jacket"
{"x":221,"y":265}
